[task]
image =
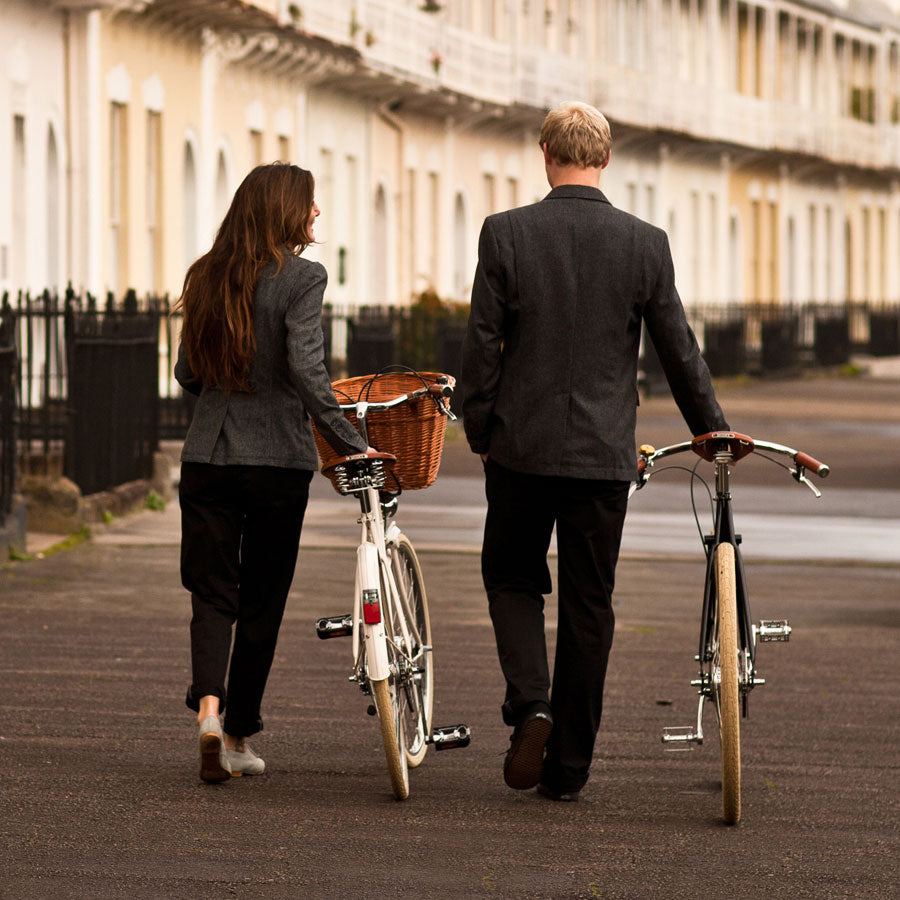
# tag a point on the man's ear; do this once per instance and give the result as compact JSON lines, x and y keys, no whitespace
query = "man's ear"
{"x":547,"y":158}
{"x":608,"y":156}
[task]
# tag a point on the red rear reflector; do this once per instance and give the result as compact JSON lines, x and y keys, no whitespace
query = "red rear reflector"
{"x":371,"y":607}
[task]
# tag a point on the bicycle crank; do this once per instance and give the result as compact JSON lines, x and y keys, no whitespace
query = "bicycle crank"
{"x":683,"y":737}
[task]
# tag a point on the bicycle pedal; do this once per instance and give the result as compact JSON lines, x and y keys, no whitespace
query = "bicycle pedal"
{"x":773,"y":630}
{"x":450,"y":737}
{"x":680,"y":737}
{"x":334,"y":626}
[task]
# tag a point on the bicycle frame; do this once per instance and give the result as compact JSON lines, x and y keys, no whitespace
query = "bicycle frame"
{"x":375,"y":593}
{"x":723,"y":532}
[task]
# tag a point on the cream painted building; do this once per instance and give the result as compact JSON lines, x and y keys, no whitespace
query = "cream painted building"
{"x":763,"y":136}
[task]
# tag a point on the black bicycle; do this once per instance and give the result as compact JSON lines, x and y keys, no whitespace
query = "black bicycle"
{"x":727,"y":650}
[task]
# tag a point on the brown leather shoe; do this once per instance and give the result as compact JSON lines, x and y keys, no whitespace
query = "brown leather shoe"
{"x":525,"y":757}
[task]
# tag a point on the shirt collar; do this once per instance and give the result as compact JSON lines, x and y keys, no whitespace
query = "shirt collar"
{"x":579,"y":191}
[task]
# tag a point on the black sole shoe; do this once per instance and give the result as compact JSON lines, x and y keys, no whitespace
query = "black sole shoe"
{"x":560,"y":796}
{"x":525,"y":758}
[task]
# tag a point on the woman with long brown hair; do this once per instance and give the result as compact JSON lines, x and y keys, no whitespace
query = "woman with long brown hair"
{"x":252,"y":350}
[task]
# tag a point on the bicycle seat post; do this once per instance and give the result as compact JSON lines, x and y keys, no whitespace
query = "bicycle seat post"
{"x":722,"y":458}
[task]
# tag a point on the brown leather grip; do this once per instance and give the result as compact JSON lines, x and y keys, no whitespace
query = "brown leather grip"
{"x":641,"y":466}
{"x":805,"y":460}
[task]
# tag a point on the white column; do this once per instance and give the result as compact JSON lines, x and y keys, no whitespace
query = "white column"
{"x":838,"y":242}
{"x":882,"y":87}
{"x":787,"y":254}
{"x":94,"y":156}
{"x":302,"y":147}
{"x":794,"y":63}
{"x":662,"y":190}
{"x":722,"y":287}
{"x":206,"y":175}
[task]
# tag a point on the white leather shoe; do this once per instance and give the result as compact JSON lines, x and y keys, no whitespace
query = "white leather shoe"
{"x":245,"y":762}
{"x":214,"y":765}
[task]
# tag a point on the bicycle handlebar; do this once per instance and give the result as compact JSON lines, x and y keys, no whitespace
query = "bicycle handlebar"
{"x":438,"y":390}
{"x":735,"y":446}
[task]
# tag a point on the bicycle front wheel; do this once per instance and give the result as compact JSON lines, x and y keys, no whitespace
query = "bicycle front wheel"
{"x":417,"y":691}
{"x":385,"y":695}
{"x":728,"y":690}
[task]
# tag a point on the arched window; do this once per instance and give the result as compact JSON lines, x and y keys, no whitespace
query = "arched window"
{"x":189,"y":205}
{"x":380,"y":246}
{"x":460,"y":276}
{"x":52,"y":186}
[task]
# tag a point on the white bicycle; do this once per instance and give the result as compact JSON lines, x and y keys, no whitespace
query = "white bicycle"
{"x":389,"y":625}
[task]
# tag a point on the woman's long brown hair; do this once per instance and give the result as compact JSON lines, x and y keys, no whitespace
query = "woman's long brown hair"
{"x":267,"y":219}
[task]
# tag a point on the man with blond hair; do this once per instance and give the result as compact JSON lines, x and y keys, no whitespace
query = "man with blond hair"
{"x":550,"y":374}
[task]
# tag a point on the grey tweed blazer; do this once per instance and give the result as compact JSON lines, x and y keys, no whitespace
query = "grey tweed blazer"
{"x":270,"y":426}
{"x":550,"y":358}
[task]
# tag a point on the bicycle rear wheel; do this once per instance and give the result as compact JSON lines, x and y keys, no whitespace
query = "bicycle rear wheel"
{"x":384,"y":693}
{"x":417,"y":691}
{"x":725,"y":660}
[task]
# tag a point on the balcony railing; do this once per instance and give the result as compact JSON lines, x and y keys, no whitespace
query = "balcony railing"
{"x":543,"y":79}
{"x":476,"y":64}
{"x":404,"y":42}
{"x":399,"y":40}
{"x":332,"y":20}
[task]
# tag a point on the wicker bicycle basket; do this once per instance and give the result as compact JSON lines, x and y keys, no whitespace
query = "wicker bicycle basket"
{"x":412,"y":431}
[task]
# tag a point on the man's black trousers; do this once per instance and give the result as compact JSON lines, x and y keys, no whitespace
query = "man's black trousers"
{"x":240,"y":531}
{"x":588,"y":514}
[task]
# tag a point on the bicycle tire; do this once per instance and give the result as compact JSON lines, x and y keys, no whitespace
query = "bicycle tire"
{"x":417,"y":696}
{"x":384,"y":693}
{"x":728,"y":690}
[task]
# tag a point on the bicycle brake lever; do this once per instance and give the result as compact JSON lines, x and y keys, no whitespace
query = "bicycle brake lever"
{"x":802,"y":479}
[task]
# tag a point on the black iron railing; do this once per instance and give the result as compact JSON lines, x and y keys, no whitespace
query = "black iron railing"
{"x":93,"y":387}
{"x":87,"y":386}
{"x":8,"y":411}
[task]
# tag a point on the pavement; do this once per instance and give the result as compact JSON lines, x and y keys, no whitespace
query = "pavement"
{"x":98,"y":775}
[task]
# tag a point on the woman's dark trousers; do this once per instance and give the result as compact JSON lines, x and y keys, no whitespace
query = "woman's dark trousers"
{"x":239,"y":542}
{"x":589,"y":515}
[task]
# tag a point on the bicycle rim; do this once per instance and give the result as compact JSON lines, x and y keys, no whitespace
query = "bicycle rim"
{"x":727,"y":688}
{"x":417,"y":689}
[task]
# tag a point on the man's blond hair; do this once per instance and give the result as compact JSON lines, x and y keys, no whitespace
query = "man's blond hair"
{"x":577,"y":134}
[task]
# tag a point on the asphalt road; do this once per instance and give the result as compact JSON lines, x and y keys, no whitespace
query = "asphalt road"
{"x":98,"y":776}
